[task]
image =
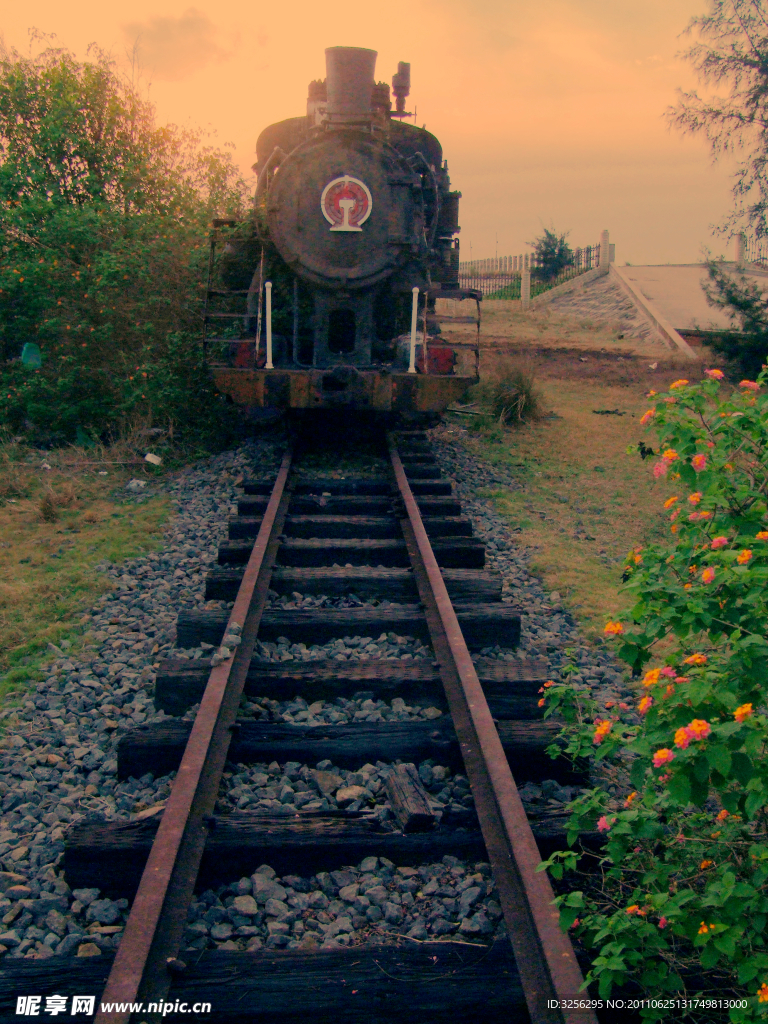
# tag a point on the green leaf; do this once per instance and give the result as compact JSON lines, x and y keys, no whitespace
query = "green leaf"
{"x":719,"y":756}
{"x":679,"y":788}
{"x":741,"y":767}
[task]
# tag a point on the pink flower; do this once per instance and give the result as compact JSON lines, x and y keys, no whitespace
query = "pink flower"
{"x":718,"y":542}
{"x":683,"y":738}
{"x":647,"y":416}
{"x":604,"y":824}
{"x":660,"y":469}
{"x":714,"y":374}
{"x":699,"y":729}
{"x":663,"y":920}
{"x":749,"y":385}
{"x":699,"y":462}
{"x":708,"y":575}
{"x":668,"y":671}
{"x":663,"y":756}
{"x":695,"y":498}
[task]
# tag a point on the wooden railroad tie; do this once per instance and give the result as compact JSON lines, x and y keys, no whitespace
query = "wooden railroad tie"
{"x":483,"y":625}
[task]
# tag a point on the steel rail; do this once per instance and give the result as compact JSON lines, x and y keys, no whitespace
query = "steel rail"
{"x":147,"y":953}
{"x":545,"y":958}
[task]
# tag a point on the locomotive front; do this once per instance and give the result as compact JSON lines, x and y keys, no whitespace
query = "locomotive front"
{"x":326,"y":297}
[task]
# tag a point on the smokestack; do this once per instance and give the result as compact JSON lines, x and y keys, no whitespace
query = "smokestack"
{"x":349,"y":71}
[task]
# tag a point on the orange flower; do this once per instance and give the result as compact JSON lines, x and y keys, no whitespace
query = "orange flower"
{"x":744,"y":556}
{"x":742,"y":712}
{"x":663,"y":756}
{"x":614,"y":629}
{"x":602,"y":727}
{"x":705,"y":864}
{"x":695,"y":659}
{"x":699,"y":729}
{"x":762,"y":993}
{"x":705,"y":515}
{"x":650,"y":394}
{"x":749,"y":385}
{"x":549,"y":682}
{"x":763,"y":535}
{"x":674,"y":528}
{"x":542,"y":702}
{"x":721,"y":815}
{"x":704,"y":928}
{"x":670,"y":455}
{"x":708,"y":575}
{"x":677,"y":384}
{"x":647,"y":416}
{"x":628,"y":802}
{"x":699,"y":462}
{"x":645,"y":705}
{"x":636,"y":909}
{"x":652,"y":677}
{"x":670,"y":502}
{"x":695,"y":498}
{"x":683,"y":738}
{"x":718,"y":542}
{"x":669,"y":691}
{"x":714,"y":374}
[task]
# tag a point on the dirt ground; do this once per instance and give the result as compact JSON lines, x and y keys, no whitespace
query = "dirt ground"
{"x":506,"y":324}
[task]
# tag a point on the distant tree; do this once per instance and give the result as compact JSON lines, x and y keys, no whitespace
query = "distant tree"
{"x":552,"y":254}
{"x":731,"y":53}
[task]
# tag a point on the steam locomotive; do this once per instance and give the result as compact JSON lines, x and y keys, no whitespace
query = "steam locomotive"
{"x":326,"y":295}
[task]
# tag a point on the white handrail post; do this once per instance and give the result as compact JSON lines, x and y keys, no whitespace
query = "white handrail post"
{"x":268,"y":287}
{"x":605,"y":250}
{"x":525,"y":287}
{"x":414,"y":322}
{"x":741,"y":246}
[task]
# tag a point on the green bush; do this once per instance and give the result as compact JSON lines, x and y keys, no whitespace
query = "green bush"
{"x":684,"y":897}
{"x":103,"y":223}
{"x":746,"y":346}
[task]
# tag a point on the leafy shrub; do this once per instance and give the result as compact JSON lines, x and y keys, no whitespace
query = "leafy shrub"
{"x":103,"y":223}
{"x":745,"y":347}
{"x":684,"y":898}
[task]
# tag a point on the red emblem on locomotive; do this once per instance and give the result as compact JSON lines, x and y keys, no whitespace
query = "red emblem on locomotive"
{"x":346,"y":204}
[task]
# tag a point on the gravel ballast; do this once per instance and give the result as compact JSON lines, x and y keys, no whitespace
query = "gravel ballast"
{"x":58,"y":753}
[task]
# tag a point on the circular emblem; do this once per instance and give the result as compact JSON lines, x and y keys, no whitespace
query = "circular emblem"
{"x":346,"y":204}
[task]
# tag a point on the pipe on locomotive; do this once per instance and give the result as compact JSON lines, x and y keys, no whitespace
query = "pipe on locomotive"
{"x":414,"y":321}
{"x":268,"y":365}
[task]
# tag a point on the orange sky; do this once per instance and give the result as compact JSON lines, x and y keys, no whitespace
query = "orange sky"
{"x":549,"y":113}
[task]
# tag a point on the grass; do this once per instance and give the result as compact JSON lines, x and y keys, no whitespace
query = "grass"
{"x":56,"y":524}
{"x":584,"y":503}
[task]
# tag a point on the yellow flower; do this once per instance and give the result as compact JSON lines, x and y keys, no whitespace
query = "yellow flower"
{"x":671,"y":501}
{"x":695,"y":659}
{"x":762,"y":993}
{"x":704,"y":928}
{"x":652,"y":677}
{"x":763,"y":535}
{"x":744,"y":556}
{"x":613,"y":628}
{"x":742,"y":712}
{"x":677,"y":384}
{"x":695,"y":498}
{"x":670,"y":455}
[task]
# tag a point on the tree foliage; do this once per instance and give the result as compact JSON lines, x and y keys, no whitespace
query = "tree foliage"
{"x":552,"y":254}
{"x":730,"y":54}
{"x":746,"y":346}
{"x":103,"y":221}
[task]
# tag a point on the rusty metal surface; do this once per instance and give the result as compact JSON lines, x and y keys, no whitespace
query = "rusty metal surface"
{"x":155,"y":926}
{"x":545,"y":957}
{"x":376,"y":390}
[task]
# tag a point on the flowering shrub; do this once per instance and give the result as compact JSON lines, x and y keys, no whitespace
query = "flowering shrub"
{"x":684,"y":897}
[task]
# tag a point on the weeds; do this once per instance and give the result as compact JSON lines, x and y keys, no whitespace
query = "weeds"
{"x":509,"y":394}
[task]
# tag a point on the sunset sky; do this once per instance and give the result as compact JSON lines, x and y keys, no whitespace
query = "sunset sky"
{"x":549,"y":114}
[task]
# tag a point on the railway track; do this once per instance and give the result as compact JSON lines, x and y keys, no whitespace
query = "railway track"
{"x":399,"y":539}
